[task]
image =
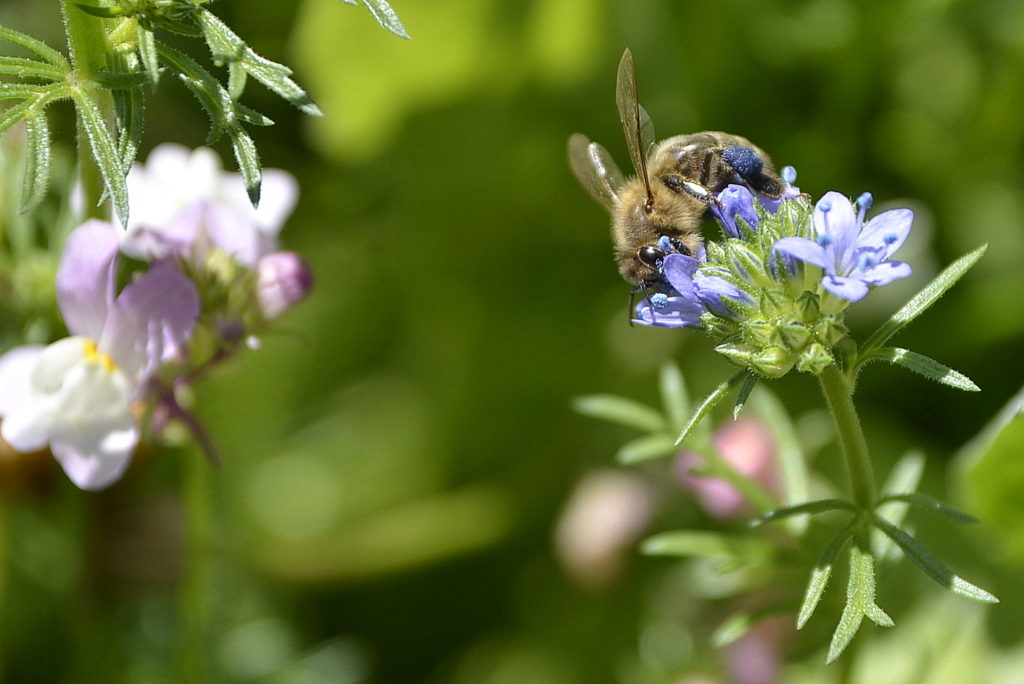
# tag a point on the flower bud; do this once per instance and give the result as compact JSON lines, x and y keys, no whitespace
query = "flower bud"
{"x":284,"y":280}
{"x":810,"y":306}
{"x":829,"y":330}
{"x":772,"y":362}
{"x":774,"y":303}
{"x":759,"y":333}
{"x":747,"y":264}
{"x":738,"y":353}
{"x":814,"y":359}
{"x":794,"y":334}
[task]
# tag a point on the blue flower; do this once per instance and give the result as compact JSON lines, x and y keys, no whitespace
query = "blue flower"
{"x":854,"y":255}
{"x":680,"y":306}
{"x":691,"y":295}
{"x":735,"y":201}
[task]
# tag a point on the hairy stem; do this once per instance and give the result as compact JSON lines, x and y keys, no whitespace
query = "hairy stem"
{"x":839,"y":396}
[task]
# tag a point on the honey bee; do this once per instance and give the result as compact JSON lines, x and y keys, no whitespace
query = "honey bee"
{"x":660,"y":210}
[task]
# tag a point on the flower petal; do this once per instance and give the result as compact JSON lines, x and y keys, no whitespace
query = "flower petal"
{"x":839,"y":226}
{"x":804,"y":250}
{"x":151,"y":320}
{"x":85,"y":278}
{"x":849,"y":289}
{"x":888,"y":230}
{"x":16,"y":368}
{"x":678,"y":270}
{"x":886,"y":272}
{"x":677,"y":313}
{"x":94,"y":432}
{"x":712,"y":289}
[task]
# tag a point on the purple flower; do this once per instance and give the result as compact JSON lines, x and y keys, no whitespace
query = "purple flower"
{"x":692,"y":294}
{"x":77,"y":394}
{"x":854,"y":255}
{"x":284,"y":280}
{"x":681,"y":306}
{"x":183,"y":204}
{"x":734,"y":202}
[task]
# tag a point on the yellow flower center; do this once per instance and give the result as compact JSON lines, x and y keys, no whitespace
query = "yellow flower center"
{"x":94,"y":355}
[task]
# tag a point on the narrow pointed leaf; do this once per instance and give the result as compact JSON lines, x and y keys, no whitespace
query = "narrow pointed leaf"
{"x":903,"y":478}
{"x":730,"y":550}
{"x":36,"y":178}
{"x":789,"y":452}
{"x":674,"y":397}
{"x":809,"y":508}
{"x":248,"y":162}
{"x":237,"y":78}
{"x":931,"y":566}
{"x":128,"y":108}
{"x":921,"y":301}
{"x":148,"y":54}
{"x":709,"y":403}
{"x":386,"y":17}
{"x":22,"y":67}
{"x":927,"y":503}
{"x":821,"y":573}
{"x":929,"y":368}
{"x":860,"y":602}
{"x":744,"y":393}
{"x":616,"y":409}
{"x":733,"y":629}
{"x":646,"y":448}
{"x":104,"y":152}
{"x":14,"y":114}
{"x":37,"y":46}
{"x":101,"y":11}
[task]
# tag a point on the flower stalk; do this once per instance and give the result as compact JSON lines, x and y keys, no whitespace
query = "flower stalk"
{"x":839,"y":396}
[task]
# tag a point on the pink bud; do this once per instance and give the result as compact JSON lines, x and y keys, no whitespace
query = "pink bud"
{"x":748,"y":448}
{"x":284,"y":281}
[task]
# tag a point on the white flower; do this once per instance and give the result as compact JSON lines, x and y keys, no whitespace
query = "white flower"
{"x":182,"y":203}
{"x":77,"y":394}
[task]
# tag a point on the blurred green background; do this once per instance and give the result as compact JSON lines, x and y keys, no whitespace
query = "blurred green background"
{"x":397,"y":455}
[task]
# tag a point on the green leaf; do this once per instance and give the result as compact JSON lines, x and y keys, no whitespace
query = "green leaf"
{"x":646,"y":448}
{"x":101,"y":11}
{"x":674,"y":397}
{"x":148,"y":54}
{"x":929,"y":368}
{"x":14,"y":114}
{"x":36,"y":177}
{"x":789,"y":452}
{"x":616,"y":409}
{"x":248,"y":162}
{"x":128,"y":107}
{"x":860,"y":602}
{"x":741,"y":398}
{"x":225,"y":45}
{"x":386,"y":16}
{"x":104,"y":152}
{"x":930,"y":565}
{"x":904,"y":478}
{"x":21,"y":67}
{"x":921,"y":301}
{"x":809,"y":508}
{"x":822,"y":571}
{"x":928,"y":503}
{"x":729,"y":549}
{"x":709,"y":403}
{"x":37,"y":46}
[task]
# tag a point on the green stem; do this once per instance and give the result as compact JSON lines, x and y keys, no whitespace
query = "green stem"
{"x":88,"y":45}
{"x":195,"y":594}
{"x":839,"y":396}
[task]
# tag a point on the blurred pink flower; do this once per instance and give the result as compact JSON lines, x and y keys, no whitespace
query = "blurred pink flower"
{"x":605,"y":516}
{"x":283,"y":280}
{"x":747,"y":447}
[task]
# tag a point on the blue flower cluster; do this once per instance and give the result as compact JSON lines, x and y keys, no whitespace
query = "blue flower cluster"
{"x":772,"y":292}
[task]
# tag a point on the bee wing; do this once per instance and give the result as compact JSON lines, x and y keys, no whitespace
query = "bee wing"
{"x":596,"y":170}
{"x":636,"y":124}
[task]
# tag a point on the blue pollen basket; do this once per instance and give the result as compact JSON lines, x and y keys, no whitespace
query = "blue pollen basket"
{"x":743,"y":160}
{"x":659,"y":300}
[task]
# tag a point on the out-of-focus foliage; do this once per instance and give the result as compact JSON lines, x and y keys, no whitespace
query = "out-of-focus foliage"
{"x":395,"y":466}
